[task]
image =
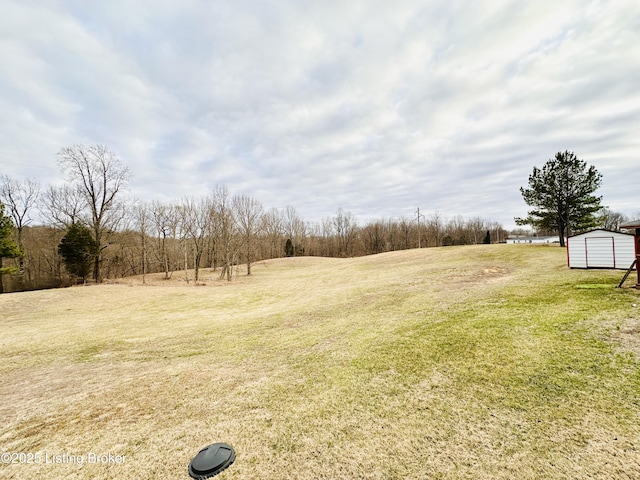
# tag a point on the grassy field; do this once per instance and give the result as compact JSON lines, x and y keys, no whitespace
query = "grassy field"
{"x":487,"y":362}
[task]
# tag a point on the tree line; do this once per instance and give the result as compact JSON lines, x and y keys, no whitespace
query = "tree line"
{"x":89,"y":229}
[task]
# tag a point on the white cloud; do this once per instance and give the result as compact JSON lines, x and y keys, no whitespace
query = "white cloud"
{"x":377,"y":107}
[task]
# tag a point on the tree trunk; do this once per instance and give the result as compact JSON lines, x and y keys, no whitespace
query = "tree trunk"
{"x":197,"y":258}
{"x":96,"y":269}
{"x":186,"y":264}
{"x":165,"y":257}
{"x":248,"y":257}
{"x":96,"y":264}
{"x":144,"y":260}
{"x":561,"y":230}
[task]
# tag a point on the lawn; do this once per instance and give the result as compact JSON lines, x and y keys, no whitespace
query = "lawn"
{"x":486,"y":362}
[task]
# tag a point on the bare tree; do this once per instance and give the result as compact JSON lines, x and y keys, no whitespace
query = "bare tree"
{"x":314,"y":238}
{"x":100,"y":176}
{"x":19,"y":199}
{"x":62,"y":206}
{"x":457,"y":231}
{"x":611,"y":220}
{"x":272,"y":226}
{"x":248,"y":215}
{"x":183,"y":229}
{"x":392,"y":233}
{"x":294,"y":228}
{"x":404,"y":229}
{"x":195,"y":217}
{"x":327,"y":233}
{"x":434,"y":225}
{"x":226,"y":229}
{"x":165,"y":222}
{"x":141,"y":214}
{"x":476,"y":228}
{"x":373,"y":235}
{"x":345,"y":228}
{"x":496,"y":229}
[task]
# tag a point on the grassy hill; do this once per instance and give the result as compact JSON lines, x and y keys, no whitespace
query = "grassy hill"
{"x":479,"y":362}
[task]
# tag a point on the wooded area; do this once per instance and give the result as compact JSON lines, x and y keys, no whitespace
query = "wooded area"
{"x":220,"y":231}
{"x":212,"y":233}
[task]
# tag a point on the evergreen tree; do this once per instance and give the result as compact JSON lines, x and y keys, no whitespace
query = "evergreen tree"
{"x":78,"y":250}
{"x":8,"y":248}
{"x":288,"y":248}
{"x":562,"y":194}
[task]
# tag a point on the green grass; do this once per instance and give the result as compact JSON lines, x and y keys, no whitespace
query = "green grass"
{"x":476,"y":362}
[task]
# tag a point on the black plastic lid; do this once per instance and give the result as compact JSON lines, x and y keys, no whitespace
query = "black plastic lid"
{"x":211,"y":460}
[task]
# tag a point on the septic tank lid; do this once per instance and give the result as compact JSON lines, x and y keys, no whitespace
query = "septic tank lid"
{"x":211,"y":460}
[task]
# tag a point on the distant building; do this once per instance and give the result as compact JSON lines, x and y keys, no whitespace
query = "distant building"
{"x":533,"y":240}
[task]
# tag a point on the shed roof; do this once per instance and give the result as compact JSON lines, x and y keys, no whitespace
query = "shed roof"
{"x":599,"y":230}
{"x":634,"y":224}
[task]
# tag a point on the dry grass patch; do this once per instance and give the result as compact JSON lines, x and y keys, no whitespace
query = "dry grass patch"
{"x":475,"y":362}
{"x":629,"y":335}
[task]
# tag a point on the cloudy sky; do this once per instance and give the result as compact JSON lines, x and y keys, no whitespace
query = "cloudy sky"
{"x":374,"y":106}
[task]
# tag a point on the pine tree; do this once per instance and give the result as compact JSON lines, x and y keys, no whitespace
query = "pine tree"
{"x":8,"y":248}
{"x":78,"y":250}
{"x":288,"y":248}
{"x":562,"y":194}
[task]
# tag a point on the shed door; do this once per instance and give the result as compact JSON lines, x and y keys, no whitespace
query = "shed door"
{"x":600,"y":252}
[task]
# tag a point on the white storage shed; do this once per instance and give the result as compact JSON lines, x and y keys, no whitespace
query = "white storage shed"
{"x":601,"y":249}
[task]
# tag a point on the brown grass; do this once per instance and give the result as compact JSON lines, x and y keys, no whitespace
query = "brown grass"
{"x":477,"y":362}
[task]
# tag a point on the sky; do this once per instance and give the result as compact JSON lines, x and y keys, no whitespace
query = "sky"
{"x":373,"y":106}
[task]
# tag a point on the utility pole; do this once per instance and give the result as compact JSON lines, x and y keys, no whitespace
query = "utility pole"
{"x":419,"y":234}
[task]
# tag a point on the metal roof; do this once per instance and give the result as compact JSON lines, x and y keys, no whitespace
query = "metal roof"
{"x":634,"y":224}
{"x":600,"y":230}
